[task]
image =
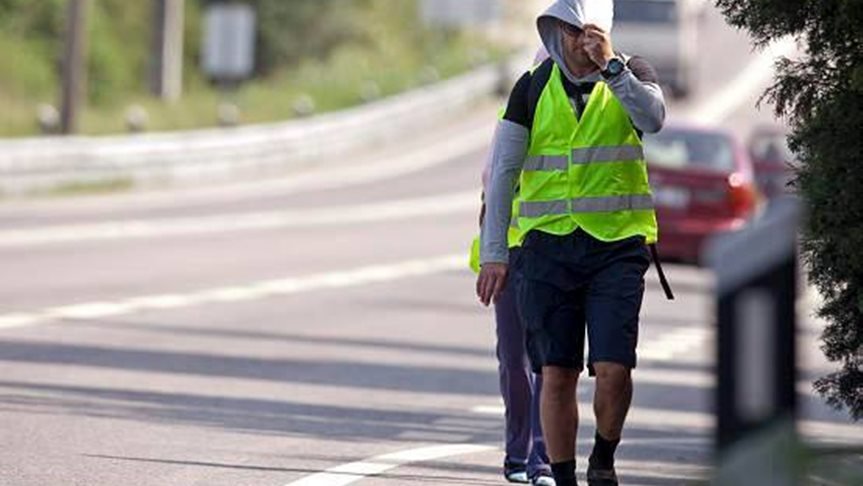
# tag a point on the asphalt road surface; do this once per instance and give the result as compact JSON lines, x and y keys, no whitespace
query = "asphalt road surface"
{"x":321,"y":329}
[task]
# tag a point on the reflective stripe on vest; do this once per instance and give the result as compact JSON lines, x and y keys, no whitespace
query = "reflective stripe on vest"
{"x":536,"y":209}
{"x":587,"y":155}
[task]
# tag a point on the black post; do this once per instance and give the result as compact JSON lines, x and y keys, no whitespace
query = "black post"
{"x":756,"y":273}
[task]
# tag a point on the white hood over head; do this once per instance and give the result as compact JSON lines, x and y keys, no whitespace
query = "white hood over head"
{"x":577,"y":13}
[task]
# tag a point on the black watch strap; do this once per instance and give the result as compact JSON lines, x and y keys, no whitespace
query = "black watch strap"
{"x":614,"y":67}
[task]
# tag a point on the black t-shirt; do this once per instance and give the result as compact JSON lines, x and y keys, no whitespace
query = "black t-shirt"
{"x":525,"y":94}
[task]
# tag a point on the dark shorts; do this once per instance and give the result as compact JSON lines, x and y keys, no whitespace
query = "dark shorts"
{"x":572,"y":284}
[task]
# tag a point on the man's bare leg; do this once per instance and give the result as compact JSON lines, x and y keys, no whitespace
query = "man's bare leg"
{"x":612,"y":398}
{"x":611,"y":403}
{"x":559,"y":415}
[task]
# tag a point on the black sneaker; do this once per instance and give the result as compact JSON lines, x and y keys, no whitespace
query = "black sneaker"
{"x":601,"y":477}
{"x":515,"y":472}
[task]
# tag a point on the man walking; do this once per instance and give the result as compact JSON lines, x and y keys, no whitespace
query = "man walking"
{"x":572,"y":133}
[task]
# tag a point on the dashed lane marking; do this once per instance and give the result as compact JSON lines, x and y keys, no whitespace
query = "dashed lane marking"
{"x":227,"y":223}
{"x":355,"y":471}
{"x":674,"y":343}
{"x":248,"y":292}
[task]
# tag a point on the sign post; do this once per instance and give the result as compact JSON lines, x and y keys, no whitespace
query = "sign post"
{"x":74,"y":86}
{"x":167,"y":64}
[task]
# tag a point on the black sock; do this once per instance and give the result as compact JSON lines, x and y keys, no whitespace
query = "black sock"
{"x":564,"y":473}
{"x":602,"y":456}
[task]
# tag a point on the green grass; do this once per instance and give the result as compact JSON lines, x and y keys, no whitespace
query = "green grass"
{"x":26,"y":80}
{"x":336,"y":51}
{"x":108,"y":186}
{"x":334,"y":83}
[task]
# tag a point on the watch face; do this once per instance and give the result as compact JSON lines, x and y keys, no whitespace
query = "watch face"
{"x":615,"y":66}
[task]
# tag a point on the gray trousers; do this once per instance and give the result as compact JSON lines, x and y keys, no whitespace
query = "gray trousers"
{"x":519,"y":387}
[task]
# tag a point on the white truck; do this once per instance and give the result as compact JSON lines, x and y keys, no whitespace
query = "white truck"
{"x":665,"y":32}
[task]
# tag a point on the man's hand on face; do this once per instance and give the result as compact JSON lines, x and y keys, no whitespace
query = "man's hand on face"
{"x":491,"y":280}
{"x":597,"y":44}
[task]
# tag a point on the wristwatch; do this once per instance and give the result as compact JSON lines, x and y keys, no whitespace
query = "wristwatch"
{"x":614,"y":67}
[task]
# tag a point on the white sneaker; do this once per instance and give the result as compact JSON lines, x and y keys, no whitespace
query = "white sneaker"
{"x":517,"y":477}
{"x":543,"y":481}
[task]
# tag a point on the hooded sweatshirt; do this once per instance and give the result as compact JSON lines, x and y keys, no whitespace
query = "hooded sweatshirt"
{"x":642,"y":100}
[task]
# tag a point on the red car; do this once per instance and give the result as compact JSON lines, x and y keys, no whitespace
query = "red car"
{"x":703,"y":183}
{"x":772,"y":160}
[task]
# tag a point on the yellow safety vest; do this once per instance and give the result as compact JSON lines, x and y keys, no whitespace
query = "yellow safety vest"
{"x":586,"y":173}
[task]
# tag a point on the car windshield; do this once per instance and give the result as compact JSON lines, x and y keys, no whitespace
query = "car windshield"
{"x":645,"y":11}
{"x":684,"y":149}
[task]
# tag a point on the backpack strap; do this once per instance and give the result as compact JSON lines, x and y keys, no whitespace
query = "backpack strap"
{"x":539,"y":78}
{"x":666,"y":287}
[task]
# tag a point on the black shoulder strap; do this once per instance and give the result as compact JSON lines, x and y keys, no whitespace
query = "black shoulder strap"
{"x":538,"y":81}
{"x":666,"y":287}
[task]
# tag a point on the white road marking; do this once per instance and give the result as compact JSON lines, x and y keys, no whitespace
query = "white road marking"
{"x":667,"y":420}
{"x":226,"y":223}
{"x":695,"y":379}
{"x":691,"y":379}
{"x":355,"y":471}
{"x":248,"y":292}
{"x":750,"y":81}
{"x":671,"y":344}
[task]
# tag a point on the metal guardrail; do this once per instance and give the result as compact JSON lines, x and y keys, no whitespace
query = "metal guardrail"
{"x":43,"y":163}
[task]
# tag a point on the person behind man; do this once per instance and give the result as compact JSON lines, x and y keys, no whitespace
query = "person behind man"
{"x":572,"y":133}
{"x":525,"y":460}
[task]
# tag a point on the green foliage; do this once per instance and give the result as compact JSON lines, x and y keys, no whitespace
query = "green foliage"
{"x":290,"y":31}
{"x":29,"y":71}
{"x":88,"y":188}
{"x":119,"y":41}
{"x":822,"y":94}
{"x":330,"y":50}
{"x":41,"y":19}
{"x":29,"y":40}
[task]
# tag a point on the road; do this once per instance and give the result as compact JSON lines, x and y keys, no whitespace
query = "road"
{"x":320,"y":329}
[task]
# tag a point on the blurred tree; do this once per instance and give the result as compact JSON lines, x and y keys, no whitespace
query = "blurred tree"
{"x":290,"y":31}
{"x":822,"y":97}
{"x":119,"y":49}
{"x":118,"y":42}
{"x":26,"y":18}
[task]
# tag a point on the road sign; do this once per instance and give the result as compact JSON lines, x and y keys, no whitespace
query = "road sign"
{"x":229,"y":41}
{"x":756,"y":272}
